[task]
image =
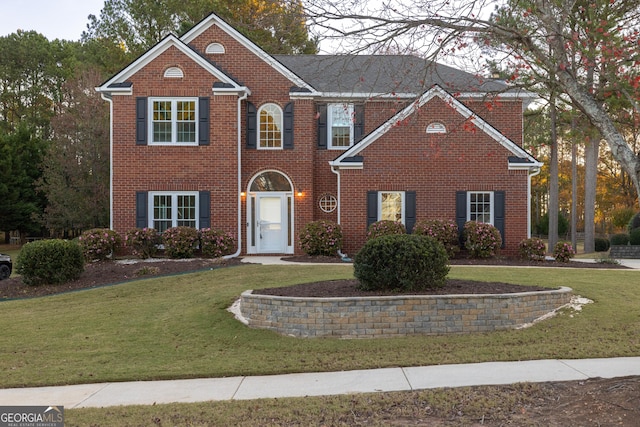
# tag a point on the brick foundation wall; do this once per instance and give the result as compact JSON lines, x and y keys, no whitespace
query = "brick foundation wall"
{"x":371,"y":317}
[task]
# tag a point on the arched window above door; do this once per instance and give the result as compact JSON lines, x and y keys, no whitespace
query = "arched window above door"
{"x":270,"y":181}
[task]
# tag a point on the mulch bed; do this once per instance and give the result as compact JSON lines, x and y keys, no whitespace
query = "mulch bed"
{"x":109,"y":272}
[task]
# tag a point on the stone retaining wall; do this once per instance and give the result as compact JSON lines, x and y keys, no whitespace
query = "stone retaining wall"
{"x":625,"y":252}
{"x":370,"y":317}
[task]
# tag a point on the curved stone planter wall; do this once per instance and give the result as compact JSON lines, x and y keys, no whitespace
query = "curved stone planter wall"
{"x":390,"y":316}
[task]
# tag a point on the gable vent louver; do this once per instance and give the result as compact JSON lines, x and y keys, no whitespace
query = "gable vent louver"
{"x":173,"y":73}
{"x":214,"y":48}
{"x":436,"y":127}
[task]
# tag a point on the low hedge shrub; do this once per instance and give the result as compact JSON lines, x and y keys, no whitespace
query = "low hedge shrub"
{"x":180,"y":242}
{"x":444,"y":231}
{"x":634,"y":236}
{"x":481,"y":240}
{"x":620,"y":239}
{"x":216,"y":243}
{"x":563,"y":251}
{"x":407,"y":262}
{"x":601,"y":244}
{"x":321,"y":238}
{"x":53,"y":261}
{"x":532,"y":249}
{"x":142,"y":242}
{"x":99,"y":243}
{"x":385,"y":227}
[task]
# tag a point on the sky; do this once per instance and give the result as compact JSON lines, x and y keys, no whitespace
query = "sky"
{"x":55,"y":19}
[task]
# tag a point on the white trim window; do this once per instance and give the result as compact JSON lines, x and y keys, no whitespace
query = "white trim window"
{"x":480,"y":206}
{"x":340,"y":119}
{"x":270,"y":117}
{"x":173,"y":209}
{"x":173,"y":121}
{"x":391,"y":206}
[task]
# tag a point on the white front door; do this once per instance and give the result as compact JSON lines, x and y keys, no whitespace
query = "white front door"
{"x":271,"y":225}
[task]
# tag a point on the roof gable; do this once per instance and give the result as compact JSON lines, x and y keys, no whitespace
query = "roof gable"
{"x":118,"y":83}
{"x":524,"y":159}
{"x":214,"y":19}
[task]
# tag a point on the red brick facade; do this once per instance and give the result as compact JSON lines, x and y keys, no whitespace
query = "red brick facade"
{"x":404,"y":158}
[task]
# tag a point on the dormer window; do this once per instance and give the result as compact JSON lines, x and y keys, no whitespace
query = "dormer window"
{"x":214,"y":49}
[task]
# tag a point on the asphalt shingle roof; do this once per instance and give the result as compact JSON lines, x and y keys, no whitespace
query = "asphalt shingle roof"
{"x":376,"y":74}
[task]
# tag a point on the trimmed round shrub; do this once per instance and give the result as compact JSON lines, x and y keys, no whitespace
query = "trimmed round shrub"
{"x":634,"y":223}
{"x":321,"y":238}
{"x":563,"y":252}
{"x":406,"y":262}
{"x":216,"y":243}
{"x":601,"y":244}
{"x":482,"y":240}
{"x":180,"y":242}
{"x":620,"y":239}
{"x":634,"y":236}
{"x":532,"y":249}
{"x":99,"y":243}
{"x":53,"y":261}
{"x":444,"y":231}
{"x":385,"y":227}
{"x":142,"y":242}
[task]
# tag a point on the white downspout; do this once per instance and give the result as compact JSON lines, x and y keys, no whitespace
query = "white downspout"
{"x":531,"y":175}
{"x":239,"y":178}
{"x":337,"y":172}
{"x":110,"y":100}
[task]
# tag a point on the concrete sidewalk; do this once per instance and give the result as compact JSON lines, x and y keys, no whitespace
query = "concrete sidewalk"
{"x":320,"y":384}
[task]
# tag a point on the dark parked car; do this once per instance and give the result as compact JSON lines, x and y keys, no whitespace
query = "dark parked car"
{"x":5,"y":266}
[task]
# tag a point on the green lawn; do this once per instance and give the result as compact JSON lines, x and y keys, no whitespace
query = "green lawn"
{"x":178,"y":327}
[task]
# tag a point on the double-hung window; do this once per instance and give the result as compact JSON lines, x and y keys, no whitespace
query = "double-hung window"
{"x":173,"y":210}
{"x":480,"y":207}
{"x":270,"y":116}
{"x":340,"y":120}
{"x":173,"y":121}
{"x":391,"y":206}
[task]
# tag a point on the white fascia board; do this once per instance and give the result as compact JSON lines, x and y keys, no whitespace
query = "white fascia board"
{"x":525,"y":166}
{"x":346,"y":165}
{"x":214,"y":19}
{"x":157,"y":50}
{"x":453,"y":103}
{"x":364,"y":95}
{"x":115,"y":90}
{"x":240,"y":90}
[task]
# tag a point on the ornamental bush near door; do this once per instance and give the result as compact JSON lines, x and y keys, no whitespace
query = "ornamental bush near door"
{"x":406,"y":262}
{"x":385,"y":228}
{"x":482,"y":240}
{"x":321,"y":238}
{"x":216,"y":243}
{"x":142,"y":242}
{"x":532,"y":249}
{"x":180,"y":242}
{"x":444,"y":231}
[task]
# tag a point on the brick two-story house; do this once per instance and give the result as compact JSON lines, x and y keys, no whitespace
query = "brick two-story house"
{"x":208,"y":130}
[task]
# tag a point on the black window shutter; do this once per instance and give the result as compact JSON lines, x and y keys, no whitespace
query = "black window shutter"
{"x":252,"y":126}
{"x":142,"y":209}
{"x":372,"y":207}
{"x":358,"y":125}
{"x":288,"y":127}
{"x":498,"y":212}
{"x":461,"y":211}
{"x":141,"y":120}
{"x":409,"y":210}
{"x":322,"y":126}
{"x":204,"y":202}
{"x":203,"y":120}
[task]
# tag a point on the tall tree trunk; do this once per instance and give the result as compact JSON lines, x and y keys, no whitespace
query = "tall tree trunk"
{"x":574,"y":187}
{"x":553,"y":177}
{"x":591,"y":151}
